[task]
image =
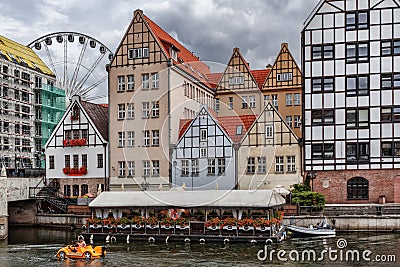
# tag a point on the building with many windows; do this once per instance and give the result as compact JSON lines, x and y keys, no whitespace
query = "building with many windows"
{"x":154,"y":81}
{"x":351,"y":66}
{"x":77,"y":150}
{"x":23,"y":79}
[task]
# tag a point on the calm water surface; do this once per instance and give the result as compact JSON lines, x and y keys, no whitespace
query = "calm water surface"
{"x":37,"y":247}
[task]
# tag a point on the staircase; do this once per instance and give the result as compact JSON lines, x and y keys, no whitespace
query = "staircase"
{"x":50,"y":197}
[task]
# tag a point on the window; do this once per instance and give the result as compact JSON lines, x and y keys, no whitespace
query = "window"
{"x":251,"y":165}
{"x":75,"y":190}
{"x":131,"y":111}
{"x":100,"y":160}
{"x":252,"y":101}
{"x":217,"y":104}
{"x":145,"y":110}
{"x":357,"y":85}
{"x":67,"y":190}
{"x":291,"y":164}
{"x":284,"y":77}
{"x":322,"y":52}
{"x":203,"y":135}
{"x":275,"y":101}
{"x":84,"y":189}
{"x":297,"y":99}
{"x":297,"y":121}
{"x":131,"y":82}
{"x":75,"y":161}
{"x":230,"y":104}
{"x":239,"y":130}
{"x":51,"y":162}
{"x":155,"y":138}
{"x":121,"y":111}
{"x":67,"y":161}
{"x":146,"y":138}
{"x":131,"y":169}
{"x":145,"y":81}
{"x":155,"y":110}
{"x":236,"y":80}
{"x":269,"y":131}
{"x":121,"y":139}
{"x":289,"y":99}
{"x":121,"y":83}
{"x":357,"y":152}
{"x":244,"y":102}
{"x":131,"y":138}
{"x":146,"y":168}
{"x":185,"y":167}
{"x":211,"y":167}
{"x":195,"y":167}
{"x":322,"y":151}
{"x":289,"y":121}
{"x":155,"y":168}
{"x":138,"y":53}
{"x":358,"y":52}
{"x":357,"y":118}
{"x":221,"y":166}
{"x":390,"y":114}
{"x":390,"y":48}
{"x":357,"y":20}
{"x":279,"y":164}
{"x":390,"y":149}
{"x":84,"y":160}
{"x":154,"y":80}
{"x":357,"y":188}
{"x":203,"y":152}
{"x":84,"y":134}
{"x":390,"y":80}
{"x":121,"y":168}
{"x":261,"y":165}
{"x":322,"y":117}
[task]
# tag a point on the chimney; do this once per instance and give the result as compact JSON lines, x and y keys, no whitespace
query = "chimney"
{"x":269,"y":66}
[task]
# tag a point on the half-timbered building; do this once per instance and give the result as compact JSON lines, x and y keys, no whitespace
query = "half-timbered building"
{"x":77,"y":151}
{"x":269,"y":154}
{"x":351,"y":66}
{"x":154,"y":81}
{"x":283,"y":88}
{"x":204,"y":157}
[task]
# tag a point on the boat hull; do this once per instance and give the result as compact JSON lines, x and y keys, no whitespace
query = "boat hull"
{"x":298,"y":231}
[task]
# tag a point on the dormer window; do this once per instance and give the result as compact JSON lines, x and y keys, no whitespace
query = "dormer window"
{"x":239,"y":130}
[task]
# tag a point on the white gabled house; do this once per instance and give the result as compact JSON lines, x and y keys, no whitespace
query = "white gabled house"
{"x":77,"y":151}
{"x":204,"y":157}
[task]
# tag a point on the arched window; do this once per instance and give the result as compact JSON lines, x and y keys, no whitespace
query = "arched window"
{"x":357,"y":188}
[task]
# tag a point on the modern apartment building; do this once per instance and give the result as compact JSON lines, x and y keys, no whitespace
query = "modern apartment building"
{"x":154,"y":81}
{"x":23,"y":77}
{"x":351,"y":66}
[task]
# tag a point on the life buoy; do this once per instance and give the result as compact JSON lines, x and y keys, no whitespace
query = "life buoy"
{"x":187,"y":240}
{"x":268,"y":241}
{"x":226,"y":241}
{"x":151,"y":239}
{"x":253,"y":241}
{"x":113,"y":239}
{"x":202,"y":241}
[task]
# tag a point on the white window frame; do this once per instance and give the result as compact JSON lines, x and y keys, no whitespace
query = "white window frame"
{"x":274,"y":100}
{"x":297,"y":121}
{"x":155,"y":140}
{"x":195,"y":167}
{"x":261,"y":165}
{"x":130,"y":82}
{"x":155,"y":109}
{"x":185,"y":167}
{"x":297,"y":99}
{"x":289,"y":99}
{"x":121,"y":169}
{"x":121,"y":84}
{"x":203,"y":152}
{"x":230,"y":105}
{"x":269,"y":131}
{"x":245,"y":104}
{"x":131,"y":139}
{"x":279,"y":164}
{"x":145,"y":81}
{"x":131,"y":168}
{"x":121,"y":139}
{"x":221,"y":166}
{"x":121,"y":111}
{"x":146,"y":138}
{"x":211,"y":167}
{"x":251,"y":165}
{"x":252,"y":101}
{"x":154,"y":80}
{"x":203,"y":135}
{"x":291,"y":164}
{"x":284,"y":77}
{"x":155,"y":165}
{"x":145,"y":110}
{"x":130,"y":111}
{"x":289,"y":121}
{"x":146,"y":168}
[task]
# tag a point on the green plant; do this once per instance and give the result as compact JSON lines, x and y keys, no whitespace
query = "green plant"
{"x":124,"y":221}
{"x":308,"y":198}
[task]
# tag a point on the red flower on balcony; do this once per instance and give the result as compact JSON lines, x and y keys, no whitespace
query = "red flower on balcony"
{"x":66,"y":170}
{"x":75,"y":142}
{"x":83,"y":170}
{"x":75,"y":171}
{"x":74,"y":117}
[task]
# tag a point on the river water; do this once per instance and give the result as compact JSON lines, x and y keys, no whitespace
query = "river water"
{"x":38,"y":246}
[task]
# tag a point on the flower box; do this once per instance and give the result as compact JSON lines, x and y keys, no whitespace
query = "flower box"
{"x":213,"y":228}
{"x":95,"y":226}
{"x":109,"y":226}
{"x":167,"y":227}
{"x":123,"y":226}
{"x":75,"y":142}
{"x":246,"y":228}
{"x":263,"y":228}
{"x":229,"y":227}
{"x":137,"y":226}
{"x":182,"y":227}
{"x":152,"y":226}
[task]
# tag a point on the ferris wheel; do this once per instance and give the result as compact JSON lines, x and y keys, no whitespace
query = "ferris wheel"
{"x":78,"y":62}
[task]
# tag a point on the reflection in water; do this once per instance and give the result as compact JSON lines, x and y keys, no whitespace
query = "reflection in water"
{"x":37,"y":247}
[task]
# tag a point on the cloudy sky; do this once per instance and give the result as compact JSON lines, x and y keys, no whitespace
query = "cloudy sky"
{"x":210,"y":28}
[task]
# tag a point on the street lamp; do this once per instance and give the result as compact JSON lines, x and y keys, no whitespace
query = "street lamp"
{"x":311,"y":175}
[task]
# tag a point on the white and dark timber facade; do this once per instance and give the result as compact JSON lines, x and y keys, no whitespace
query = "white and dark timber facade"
{"x":351,"y":66}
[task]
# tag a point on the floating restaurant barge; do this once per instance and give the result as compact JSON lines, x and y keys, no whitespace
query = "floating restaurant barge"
{"x":186,"y":216}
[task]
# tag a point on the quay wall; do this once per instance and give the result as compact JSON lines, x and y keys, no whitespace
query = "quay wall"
{"x":347,"y":223}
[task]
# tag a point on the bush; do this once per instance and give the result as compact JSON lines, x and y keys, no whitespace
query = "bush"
{"x":308,"y":198}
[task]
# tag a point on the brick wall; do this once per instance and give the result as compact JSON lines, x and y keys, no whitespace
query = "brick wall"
{"x":333,"y":184}
{"x":91,"y":182}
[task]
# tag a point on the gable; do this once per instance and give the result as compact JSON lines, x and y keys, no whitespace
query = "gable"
{"x":270,"y":129}
{"x":138,"y":36}
{"x":285,"y":72}
{"x":237,"y":75}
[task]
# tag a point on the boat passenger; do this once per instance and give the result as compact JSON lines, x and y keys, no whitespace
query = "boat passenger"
{"x":82,"y":242}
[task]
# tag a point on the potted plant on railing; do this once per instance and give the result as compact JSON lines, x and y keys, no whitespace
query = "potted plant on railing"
{"x":138,"y":222}
{"x":94,"y":223}
{"x":124,"y":223}
{"x":229,"y":224}
{"x":167,"y":223}
{"x":262,"y":224}
{"x":66,"y":170}
{"x":213,"y":224}
{"x":74,"y":171}
{"x":152,"y":222}
{"x":246,"y":224}
{"x":83,"y":170}
{"x":109,"y":223}
{"x":181,"y":223}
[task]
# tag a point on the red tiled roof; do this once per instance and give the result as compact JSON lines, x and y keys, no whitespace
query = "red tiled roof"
{"x":228,"y":123}
{"x":99,"y":115}
{"x":260,"y":76}
{"x":214,"y":78}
